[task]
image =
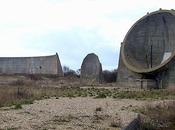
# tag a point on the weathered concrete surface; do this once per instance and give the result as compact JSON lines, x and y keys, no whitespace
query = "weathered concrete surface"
{"x":91,"y":69}
{"x":148,"y":51}
{"x":134,"y":124}
{"x":31,"y":65}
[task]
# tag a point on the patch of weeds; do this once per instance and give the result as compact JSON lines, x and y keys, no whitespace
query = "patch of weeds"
{"x":122,"y":95}
{"x":29,"y":101}
{"x":46,"y":97}
{"x":143,"y":95}
{"x":101,"y":95}
{"x":18,"y":106}
{"x":147,"y":126}
{"x":97,"y":117}
{"x":115,"y":124}
{"x":44,"y":129}
{"x":69,"y":94}
{"x":84,"y":95}
{"x":91,"y":92}
{"x":159,"y":117}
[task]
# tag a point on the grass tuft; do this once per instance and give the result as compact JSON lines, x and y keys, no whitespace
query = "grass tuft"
{"x":18,"y":106}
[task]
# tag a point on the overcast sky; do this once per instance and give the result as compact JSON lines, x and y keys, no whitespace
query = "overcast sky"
{"x":73,"y":28}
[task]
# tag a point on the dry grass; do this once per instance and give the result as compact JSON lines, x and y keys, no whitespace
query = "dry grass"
{"x":159,"y":117}
{"x":24,"y":93}
{"x":15,"y":95}
{"x":25,"y":89}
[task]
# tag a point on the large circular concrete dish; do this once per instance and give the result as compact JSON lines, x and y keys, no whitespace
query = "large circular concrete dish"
{"x":149,"y":45}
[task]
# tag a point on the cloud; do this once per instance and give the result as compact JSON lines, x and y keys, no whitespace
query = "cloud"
{"x":74,"y":28}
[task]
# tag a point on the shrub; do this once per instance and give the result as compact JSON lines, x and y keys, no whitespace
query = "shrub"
{"x":101,"y":95}
{"x":18,"y":106}
{"x":69,"y":72}
{"x":109,"y":76}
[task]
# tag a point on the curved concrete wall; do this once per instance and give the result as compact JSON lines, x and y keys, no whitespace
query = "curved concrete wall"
{"x":134,"y":70}
{"x":31,"y":65}
{"x":91,"y":69}
{"x":150,"y":42}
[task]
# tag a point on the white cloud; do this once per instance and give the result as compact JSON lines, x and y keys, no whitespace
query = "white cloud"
{"x":34,"y":18}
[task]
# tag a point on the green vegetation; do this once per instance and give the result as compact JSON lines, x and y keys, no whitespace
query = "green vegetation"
{"x":147,"y":126}
{"x":18,"y":106}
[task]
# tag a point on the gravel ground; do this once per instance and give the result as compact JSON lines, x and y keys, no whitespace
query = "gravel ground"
{"x":71,"y":114}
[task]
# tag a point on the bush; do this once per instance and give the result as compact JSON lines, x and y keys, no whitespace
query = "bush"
{"x":68,"y":72}
{"x":109,"y":76}
{"x":18,"y":106}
